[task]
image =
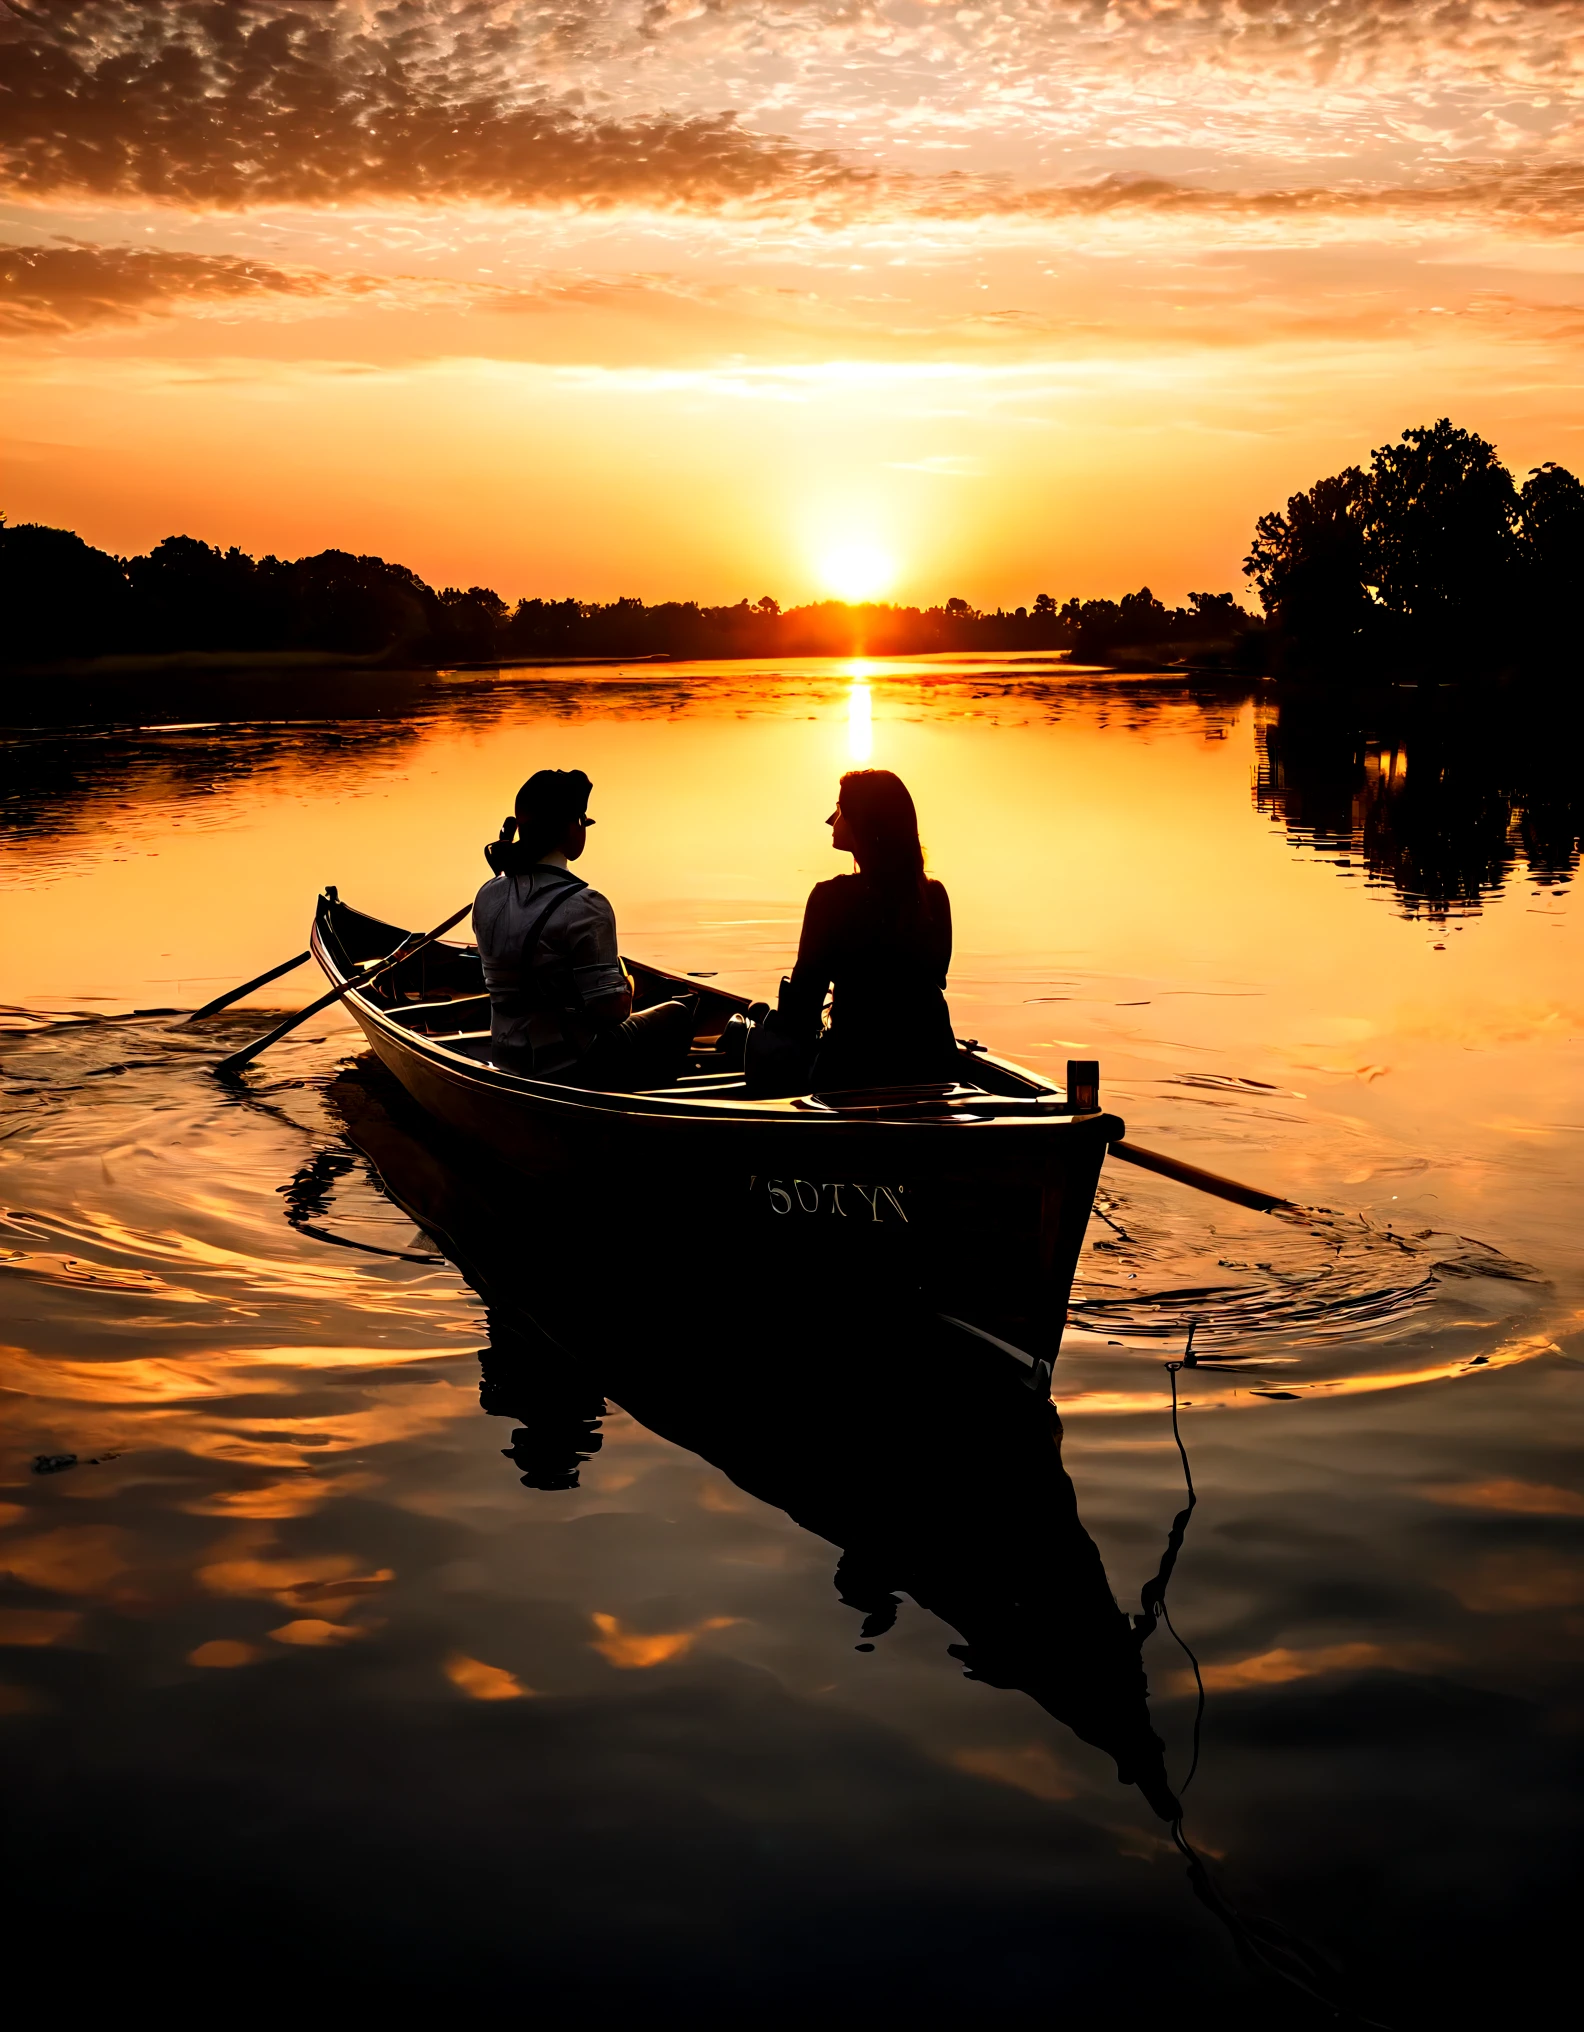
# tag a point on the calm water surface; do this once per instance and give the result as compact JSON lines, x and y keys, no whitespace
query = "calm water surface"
{"x":755,"y":1653}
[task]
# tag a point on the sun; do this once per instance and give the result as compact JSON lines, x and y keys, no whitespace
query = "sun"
{"x":857,"y":570}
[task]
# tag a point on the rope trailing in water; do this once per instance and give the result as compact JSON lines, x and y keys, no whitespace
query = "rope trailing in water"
{"x":1152,"y":1597}
{"x":1263,"y":1946}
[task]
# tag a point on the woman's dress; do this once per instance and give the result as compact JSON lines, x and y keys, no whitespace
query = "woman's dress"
{"x":886,"y":964}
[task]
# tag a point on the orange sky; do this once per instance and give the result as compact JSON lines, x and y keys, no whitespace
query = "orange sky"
{"x":683,"y":299}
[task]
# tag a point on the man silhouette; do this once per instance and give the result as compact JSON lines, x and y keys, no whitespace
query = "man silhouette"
{"x":561,"y":1002}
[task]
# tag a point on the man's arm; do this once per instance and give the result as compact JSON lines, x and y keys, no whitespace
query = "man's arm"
{"x":603,"y":983}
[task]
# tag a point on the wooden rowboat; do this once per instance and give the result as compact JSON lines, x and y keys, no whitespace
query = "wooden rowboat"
{"x":979,"y":1190}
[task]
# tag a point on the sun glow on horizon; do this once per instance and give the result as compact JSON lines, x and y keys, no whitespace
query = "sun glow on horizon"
{"x":857,"y":570}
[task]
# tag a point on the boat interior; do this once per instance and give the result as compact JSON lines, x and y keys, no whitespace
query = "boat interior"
{"x":439,"y":995}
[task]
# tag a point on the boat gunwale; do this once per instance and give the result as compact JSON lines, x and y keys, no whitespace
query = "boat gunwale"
{"x":983,"y":1111}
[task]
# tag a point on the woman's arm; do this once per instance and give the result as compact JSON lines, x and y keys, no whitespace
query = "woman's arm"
{"x":804,"y":997}
{"x":943,"y":926}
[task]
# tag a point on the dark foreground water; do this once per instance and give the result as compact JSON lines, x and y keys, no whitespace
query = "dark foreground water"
{"x":418,"y":1594}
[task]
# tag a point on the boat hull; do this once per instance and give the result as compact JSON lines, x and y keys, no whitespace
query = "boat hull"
{"x":983,"y":1199}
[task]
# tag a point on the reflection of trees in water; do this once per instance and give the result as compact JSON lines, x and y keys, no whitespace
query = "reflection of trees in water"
{"x":1439,"y":800}
{"x":100,"y":755}
{"x":1144,"y":705}
{"x":56,"y":785}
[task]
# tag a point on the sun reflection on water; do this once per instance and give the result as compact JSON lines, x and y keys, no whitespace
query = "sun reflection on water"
{"x":860,"y":722}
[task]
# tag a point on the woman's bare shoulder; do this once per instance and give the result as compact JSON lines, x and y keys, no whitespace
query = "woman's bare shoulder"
{"x":828,"y":895}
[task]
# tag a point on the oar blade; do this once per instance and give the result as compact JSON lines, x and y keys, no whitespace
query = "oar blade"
{"x":258,"y":981}
{"x":228,"y":1068}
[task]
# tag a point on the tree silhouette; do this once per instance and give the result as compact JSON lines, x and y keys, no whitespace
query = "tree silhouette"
{"x":58,"y":595}
{"x":1443,"y":544}
{"x":189,"y":595}
{"x":1430,"y":561}
{"x":471,"y":623}
{"x":359,"y":605}
{"x":1551,"y":504}
{"x":63,"y":600}
{"x":1311,"y":566}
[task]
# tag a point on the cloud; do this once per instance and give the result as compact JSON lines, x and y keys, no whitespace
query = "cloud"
{"x":67,"y":286}
{"x":256,"y":104}
{"x":463,"y":102}
{"x":1546,"y":196}
{"x":1282,"y":79}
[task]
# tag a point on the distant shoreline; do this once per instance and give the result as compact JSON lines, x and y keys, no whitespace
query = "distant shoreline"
{"x":290,"y":663}
{"x":195,"y":689}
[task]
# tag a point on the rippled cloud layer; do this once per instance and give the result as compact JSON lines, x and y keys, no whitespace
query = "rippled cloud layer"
{"x":857,"y":108}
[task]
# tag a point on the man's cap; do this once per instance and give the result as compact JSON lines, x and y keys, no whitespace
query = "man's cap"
{"x":553,"y":797}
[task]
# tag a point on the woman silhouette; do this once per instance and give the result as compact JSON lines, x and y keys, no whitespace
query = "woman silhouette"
{"x":881,"y":939}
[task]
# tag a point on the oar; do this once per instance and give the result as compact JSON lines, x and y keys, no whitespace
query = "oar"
{"x":259,"y":981}
{"x":228,"y":1068}
{"x":1204,"y":1181}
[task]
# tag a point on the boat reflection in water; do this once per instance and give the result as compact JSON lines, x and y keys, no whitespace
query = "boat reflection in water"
{"x":916,"y":1447}
{"x":832,"y":1391}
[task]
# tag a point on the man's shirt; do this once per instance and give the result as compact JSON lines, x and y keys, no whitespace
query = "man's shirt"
{"x":577,"y":949}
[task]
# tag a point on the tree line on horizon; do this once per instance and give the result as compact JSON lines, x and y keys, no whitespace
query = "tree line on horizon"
{"x":63,"y":600}
{"x":1430,"y":561}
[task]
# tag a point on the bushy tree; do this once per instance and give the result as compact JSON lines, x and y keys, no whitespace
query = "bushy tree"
{"x":1140,"y":624}
{"x":58,"y":596}
{"x":1312,"y":569}
{"x":542,"y":628}
{"x":190,"y":595}
{"x":1551,"y":505}
{"x":1442,"y":542}
{"x":471,"y":623}
{"x":362,"y":605}
{"x":1430,"y":560}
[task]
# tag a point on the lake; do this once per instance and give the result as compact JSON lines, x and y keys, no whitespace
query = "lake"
{"x":760,"y":1657}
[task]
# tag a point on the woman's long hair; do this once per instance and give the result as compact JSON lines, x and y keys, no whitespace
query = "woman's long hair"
{"x":879,"y":811}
